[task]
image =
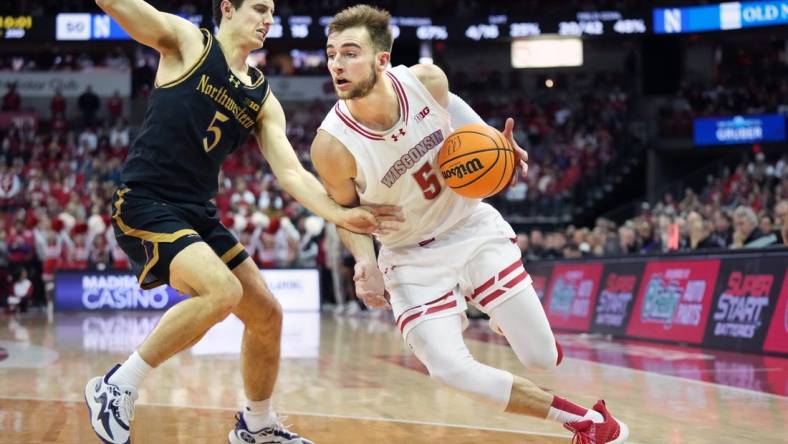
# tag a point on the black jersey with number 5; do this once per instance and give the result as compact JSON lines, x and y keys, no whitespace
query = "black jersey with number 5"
{"x":191,"y":125}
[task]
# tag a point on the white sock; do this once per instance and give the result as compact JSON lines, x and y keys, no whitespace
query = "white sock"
{"x":564,"y":411}
{"x":259,"y":414}
{"x":132,"y":372}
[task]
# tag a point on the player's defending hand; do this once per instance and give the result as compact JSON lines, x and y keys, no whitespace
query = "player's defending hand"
{"x":369,"y":284}
{"x":508,"y":132}
{"x":368,"y":219}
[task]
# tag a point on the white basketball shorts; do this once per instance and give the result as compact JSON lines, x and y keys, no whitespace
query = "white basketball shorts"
{"x":475,"y":261}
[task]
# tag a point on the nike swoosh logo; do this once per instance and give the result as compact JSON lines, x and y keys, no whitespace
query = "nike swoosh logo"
{"x":103,"y":414}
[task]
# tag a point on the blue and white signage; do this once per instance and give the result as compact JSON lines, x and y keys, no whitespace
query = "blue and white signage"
{"x":85,"y":26}
{"x":100,"y":291}
{"x":740,"y":129}
{"x":720,"y":17}
{"x":296,"y":290}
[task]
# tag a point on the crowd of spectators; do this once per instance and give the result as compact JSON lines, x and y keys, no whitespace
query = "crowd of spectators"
{"x":572,"y":136}
{"x":57,"y":58}
{"x":56,"y":185}
{"x":57,"y":179}
{"x":744,"y":207}
{"x":55,"y":192}
{"x":750,"y":79}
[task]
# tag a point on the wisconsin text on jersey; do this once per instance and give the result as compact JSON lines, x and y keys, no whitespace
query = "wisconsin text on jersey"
{"x":411,"y":157}
{"x":219,"y":95}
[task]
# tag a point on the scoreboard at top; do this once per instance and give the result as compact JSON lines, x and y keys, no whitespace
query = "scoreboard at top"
{"x":92,"y":26}
{"x":607,"y":23}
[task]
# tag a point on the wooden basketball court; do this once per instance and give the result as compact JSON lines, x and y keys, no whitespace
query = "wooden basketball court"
{"x":350,"y":380}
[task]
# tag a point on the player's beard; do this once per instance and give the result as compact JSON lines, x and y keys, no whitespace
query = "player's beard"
{"x":362,"y":89}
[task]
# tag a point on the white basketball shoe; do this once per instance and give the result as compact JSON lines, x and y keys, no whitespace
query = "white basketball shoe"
{"x":111,"y":409}
{"x":275,"y":434}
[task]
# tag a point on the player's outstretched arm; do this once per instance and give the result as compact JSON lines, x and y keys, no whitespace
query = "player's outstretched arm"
{"x":304,"y":186}
{"x":337,"y":168}
{"x":166,"y":33}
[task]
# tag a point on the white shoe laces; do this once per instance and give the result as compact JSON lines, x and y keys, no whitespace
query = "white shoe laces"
{"x":280,"y":422}
{"x":126,"y":406}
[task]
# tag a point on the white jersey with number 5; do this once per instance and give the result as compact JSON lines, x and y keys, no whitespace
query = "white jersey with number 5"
{"x":398,"y":166}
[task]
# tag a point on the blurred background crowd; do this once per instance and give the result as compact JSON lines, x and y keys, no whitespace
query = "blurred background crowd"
{"x":597,"y":185}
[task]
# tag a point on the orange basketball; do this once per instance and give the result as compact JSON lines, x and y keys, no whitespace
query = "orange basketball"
{"x":476,"y":161}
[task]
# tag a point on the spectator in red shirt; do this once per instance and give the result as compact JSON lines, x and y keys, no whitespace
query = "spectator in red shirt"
{"x":58,"y":105}
{"x":12,"y":101}
{"x":115,"y":106}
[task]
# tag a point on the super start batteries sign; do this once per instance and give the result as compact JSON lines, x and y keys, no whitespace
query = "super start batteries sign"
{"x":746,"y":294}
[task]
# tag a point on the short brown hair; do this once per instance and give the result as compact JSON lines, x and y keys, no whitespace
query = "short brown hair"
{"x":217,"y":9}
{"x":375,"y":20}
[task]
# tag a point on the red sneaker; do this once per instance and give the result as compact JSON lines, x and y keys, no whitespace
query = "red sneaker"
{"x":610,"y":431}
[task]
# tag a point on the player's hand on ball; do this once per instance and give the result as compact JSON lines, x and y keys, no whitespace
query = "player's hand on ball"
{"x":368,"y":219}
{"x":522,"y":155}
{"x":369,"y":285}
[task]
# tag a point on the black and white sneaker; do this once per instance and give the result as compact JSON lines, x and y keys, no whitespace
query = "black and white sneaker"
{"x":111,"y":409}
{"x":275,"y":434}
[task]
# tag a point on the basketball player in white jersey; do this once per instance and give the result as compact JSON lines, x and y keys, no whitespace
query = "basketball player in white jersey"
{"x":378,"y":145}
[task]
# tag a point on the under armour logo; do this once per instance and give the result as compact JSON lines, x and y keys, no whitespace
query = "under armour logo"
{"x":396,"y":137}
{"x":234,"y":81}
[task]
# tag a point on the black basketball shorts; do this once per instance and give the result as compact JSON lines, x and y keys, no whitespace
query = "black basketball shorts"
{"x":152,"y":232}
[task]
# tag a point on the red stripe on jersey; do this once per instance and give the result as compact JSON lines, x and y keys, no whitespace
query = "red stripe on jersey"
{"x":520,"y":277}
{"x":510,"y":268}
{"x":434,"y":301}
{"x":438,"y":308}
{"x":407,"y":321}
{"x":483,"y":287}
{"x":432,"y":310}
{"x":491,"y":297}
{"x":402,"y":96}
{"x":354,"y":126}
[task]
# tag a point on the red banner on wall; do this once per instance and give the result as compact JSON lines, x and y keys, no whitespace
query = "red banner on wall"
{"x":540,"y":274}
{"x":674,"y":300}
{"x":777,"y":339}
{"x":571,"y":295}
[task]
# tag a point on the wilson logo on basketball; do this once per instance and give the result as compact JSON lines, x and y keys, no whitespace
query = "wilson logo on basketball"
{"x":422,"y":114}
{"x":463,"y":169}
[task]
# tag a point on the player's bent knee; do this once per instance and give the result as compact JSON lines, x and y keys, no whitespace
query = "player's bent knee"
{"x":269,"y":314}
{"x":452,"y":370}
{"x":259,"y":307}
{"x":543,"y":359}
{"x":474,"y":379}
{"x":450,"y":373}
{"x":226,"y":294}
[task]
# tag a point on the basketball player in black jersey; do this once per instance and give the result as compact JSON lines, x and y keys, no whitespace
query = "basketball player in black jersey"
{"x":206,"y":102}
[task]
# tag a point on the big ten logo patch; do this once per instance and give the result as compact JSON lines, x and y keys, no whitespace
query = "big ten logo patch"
{"x":422,"y":114}
{"x":253,"y":105}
